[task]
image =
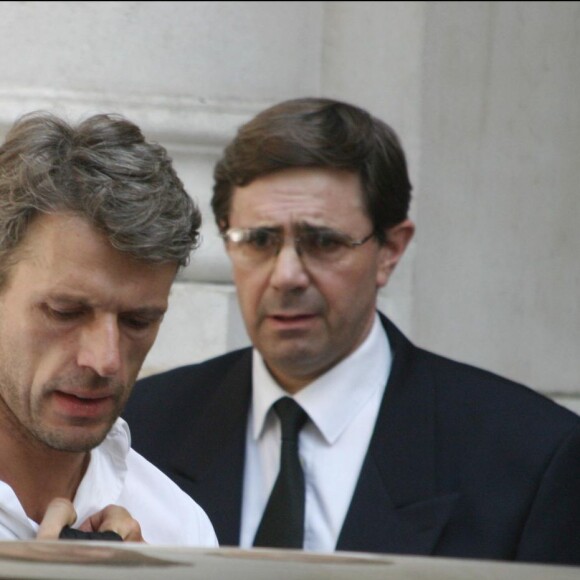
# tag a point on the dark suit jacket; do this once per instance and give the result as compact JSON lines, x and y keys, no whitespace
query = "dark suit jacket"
{"x":462,"y":463}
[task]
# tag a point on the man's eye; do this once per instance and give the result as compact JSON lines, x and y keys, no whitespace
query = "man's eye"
{"x":138,"y":323}
{"x":324,"y":241}
{"x":261,"y":239}
{"x":64,"y":315}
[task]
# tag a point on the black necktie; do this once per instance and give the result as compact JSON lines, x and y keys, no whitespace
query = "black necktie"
{"x":282,"y":524}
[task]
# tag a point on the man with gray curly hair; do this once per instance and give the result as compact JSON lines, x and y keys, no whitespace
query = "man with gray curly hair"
{"x":94,"y":224}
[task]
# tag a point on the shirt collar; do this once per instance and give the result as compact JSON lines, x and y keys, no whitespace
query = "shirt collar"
{"x":333,"y":399}
{"x":105,"y":476}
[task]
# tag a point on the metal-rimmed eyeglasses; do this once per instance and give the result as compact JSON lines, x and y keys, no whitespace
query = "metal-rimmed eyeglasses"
{"x":254,"y":246}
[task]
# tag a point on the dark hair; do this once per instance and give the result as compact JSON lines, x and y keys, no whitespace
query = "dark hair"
{"x":313,"y":132}
{"x":103,"y":170}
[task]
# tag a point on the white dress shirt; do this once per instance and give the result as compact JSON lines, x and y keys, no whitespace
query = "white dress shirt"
{"x":342,"y":405}
{"x":119,"y":475}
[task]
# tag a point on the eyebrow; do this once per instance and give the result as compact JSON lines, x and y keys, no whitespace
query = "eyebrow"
{"x":315,"y":228}
{"x":301,"y":225}
{"x":151,"y":312}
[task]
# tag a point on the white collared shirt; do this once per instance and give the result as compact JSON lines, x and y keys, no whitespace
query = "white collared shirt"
{"x":119,"y":475}
{"x":343,"y":405}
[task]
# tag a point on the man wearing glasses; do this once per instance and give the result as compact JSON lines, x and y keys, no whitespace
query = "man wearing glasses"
{"x":334,"y":432}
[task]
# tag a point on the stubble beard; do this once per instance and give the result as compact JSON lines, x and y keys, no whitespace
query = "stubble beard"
{"x":32,"y":429}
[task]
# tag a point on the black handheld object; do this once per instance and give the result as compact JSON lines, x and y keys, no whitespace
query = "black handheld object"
{"x":68,"y":533}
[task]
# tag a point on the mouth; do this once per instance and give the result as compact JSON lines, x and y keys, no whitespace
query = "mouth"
{"x":287,"y":321}
{"x":291,"y":316}
{"x":83,"y":405}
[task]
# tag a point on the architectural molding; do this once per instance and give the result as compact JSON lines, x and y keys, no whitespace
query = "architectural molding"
{"x":178,"y":122}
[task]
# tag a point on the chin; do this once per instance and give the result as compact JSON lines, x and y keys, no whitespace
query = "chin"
{"x":72,"y":442}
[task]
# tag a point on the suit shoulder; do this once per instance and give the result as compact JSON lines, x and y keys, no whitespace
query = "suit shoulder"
{"x":471,"y":395}
{"x":487,"y":391}
{"x":190,"y":375}
{"x":173,"y":389}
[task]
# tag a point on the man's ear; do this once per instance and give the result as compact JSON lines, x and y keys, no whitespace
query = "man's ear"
{"x":397,"y":240}
{"x":222,"y":226}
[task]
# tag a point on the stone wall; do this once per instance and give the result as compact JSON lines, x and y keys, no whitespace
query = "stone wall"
{"x":484,"y":96}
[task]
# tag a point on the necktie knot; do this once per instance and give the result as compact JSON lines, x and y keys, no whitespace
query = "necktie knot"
{"x":292,"y":418}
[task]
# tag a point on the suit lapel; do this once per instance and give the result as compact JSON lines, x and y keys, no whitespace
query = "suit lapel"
{"x":211,"y":456}
{"x":396,"y":507}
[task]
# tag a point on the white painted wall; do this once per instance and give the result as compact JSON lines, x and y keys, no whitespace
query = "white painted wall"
{"x":484,"y":96}
{"x":497,"y":269}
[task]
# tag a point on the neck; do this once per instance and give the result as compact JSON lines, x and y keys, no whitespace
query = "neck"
{"x":37,"y":473}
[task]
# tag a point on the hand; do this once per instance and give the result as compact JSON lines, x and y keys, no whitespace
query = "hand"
{"x":61,"y":512}
{"x":117,"y":519}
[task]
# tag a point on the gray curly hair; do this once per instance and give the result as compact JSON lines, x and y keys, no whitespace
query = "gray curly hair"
{"x":102,"y":170}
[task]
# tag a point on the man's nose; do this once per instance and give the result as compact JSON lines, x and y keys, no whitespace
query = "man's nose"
{"x":100,"y":347}
{"x":288,"y":270}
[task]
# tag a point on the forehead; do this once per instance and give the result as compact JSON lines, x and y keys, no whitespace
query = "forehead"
{"x":315,"y":195}
{"x":64,"y":253}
